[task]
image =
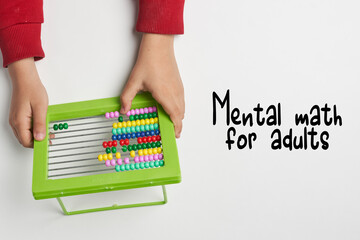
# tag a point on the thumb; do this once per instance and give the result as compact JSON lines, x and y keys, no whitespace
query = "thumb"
{"x":39,"y":121}
{"x":131,"y":89}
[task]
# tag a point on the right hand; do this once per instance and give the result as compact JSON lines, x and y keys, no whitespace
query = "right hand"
{"x":29,"y":103}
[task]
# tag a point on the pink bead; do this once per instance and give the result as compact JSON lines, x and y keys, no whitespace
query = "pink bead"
{"x":156,"y":157}
{"x":113,"y":162}
{"x":146,"y":158}
{"x":116,"y":114}
{"x":137,"y":112}
{"x":141,"y":158}
{"x":107,"y":163}
{"x":136,"y":159}
{"x":154,"y":109}
{"x":141,"y":111}
{"x":150,"y":109}
{"x":107,"y":115}
{"x":161,"y":156}
{"x":128,"y":113}
{"x":146,"y":110}
{"x":126,"y":161}
{"x":119,"y":161}
{"x":132,"y":112}
{"x":151,"y":157}
{"x":112,"y":114}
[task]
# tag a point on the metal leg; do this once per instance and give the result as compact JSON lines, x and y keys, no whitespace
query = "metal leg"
{"x":113,"y":207}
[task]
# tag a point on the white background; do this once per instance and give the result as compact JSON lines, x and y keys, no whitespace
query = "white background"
{"x":298,"y":53}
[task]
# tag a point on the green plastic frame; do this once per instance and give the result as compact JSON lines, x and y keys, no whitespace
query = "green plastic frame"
{"x":44,"y":188}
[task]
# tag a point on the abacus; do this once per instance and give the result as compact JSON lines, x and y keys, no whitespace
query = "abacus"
{"x":97,"y":149}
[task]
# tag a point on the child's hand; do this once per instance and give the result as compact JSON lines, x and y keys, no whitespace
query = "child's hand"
{"x":156,"y":71}
{"x":29,"y":103}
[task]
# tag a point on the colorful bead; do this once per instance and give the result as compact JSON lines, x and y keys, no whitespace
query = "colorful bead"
{"x":155,"y":150}
{"x":136,"y":159}
{"x":109,"y":143}
{"x":142,"y":122}
{"x":154,"y":109}
{"x":61,"y":126}
{"x":131,"y":117}
{"x":142,"y":134}
{"x":107,"y":115}
{"x":120,"y":119}
{"x":152,"y":126}
{"x":118,"y":155}
{"x":145,"y":151}
{"x":55,"y":127}
{"x":151,"y":157}
{"x":151,"y":164}
{"x":116,"y":114}
{"x":158,"y":144}
{"x":147,"y":133}
{"x":136,"y":117}
{"x":156,"y":126}
{"x":113,"y":137}
{"x":111,"y":114}
{"x":142,"y":128}
{"x":100,"y":157}
{"x":132,"y":112}
{"x":134,"y":147}
{"x":159,"y":150}
{"x":161,"y":156}
{"x":130,"y":148}
{"x":157,"y":132}
{"x":117,"y":168}
{"x":126,"y":160}
{"x":137,"y":111}
{"x":141,"y":111}
{"x":146,"y":110}
{"x":132,"y":153}
{"x":124,"y":148}
{"x":151,"y":121}
{"x":146,"y":115}
{"x":119,"y":125}
{"x":133,"y":123}
{"x":139,"y":146}
{"x":137,"y":129}
{"x":105,"y":157}
{"x":66,"y":126}
{"x":156,"y":120}
{"x":127,"y":142}
{"x":138,"y":122}
{"x":146,"y":158}
{"x":153,"y":144}
{"x":142,"y":165}
{"x":137,"y":165}
{"x":146,"y":165}
{"x":107,"y":163}
{"x":108,"y":150}
{"x":132,"y":129}
{"x":119,"y":137}
{"x":114,"y":143}
{"x":141,"y":152}
{"x":127,"y":167}
{"x":150,"y":151}
{"x":147,"y":121}
{"x":156,"y":157}
{"x":161,"y":163}
{"x":150,"y":109}
{"x":128,"y":113}
{"x":110,"y":156}
{"x":158,"y":138}
{"x":138,"y":134}
{"x":122,"y":167}
{"x":141,"y":158}
{"x":115,"y":125}
{"x":113,"y":162}
{"x":132,"y":166}
{"x":105,"y":144}
{"x":156,"y":163}
{"x":146,"y":127}
{"x":119,"y":161}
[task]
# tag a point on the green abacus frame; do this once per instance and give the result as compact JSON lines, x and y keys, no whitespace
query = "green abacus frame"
{"x":44,"y":188}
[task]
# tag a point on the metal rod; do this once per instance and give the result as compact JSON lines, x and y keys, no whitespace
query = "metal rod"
{"x":66,"y":174}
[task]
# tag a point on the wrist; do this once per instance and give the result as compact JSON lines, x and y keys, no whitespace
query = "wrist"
{"x":23,"y":72}
{"x":157,"y":42}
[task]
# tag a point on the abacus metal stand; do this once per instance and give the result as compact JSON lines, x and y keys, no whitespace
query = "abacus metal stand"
{"x":113,"y":207}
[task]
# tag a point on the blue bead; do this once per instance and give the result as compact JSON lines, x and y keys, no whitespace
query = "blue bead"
{"x":128,"y":135}
{"x":119,"y":137}
{"x":147,"y":133}
{"x":138,"y":134}
{"x":152,"y":132}
{"x":142,"y":134}
{"x":123,"y":136}
{"x":133,"y":135}
{"x":114,"y":137}
{"x":157,"y":132}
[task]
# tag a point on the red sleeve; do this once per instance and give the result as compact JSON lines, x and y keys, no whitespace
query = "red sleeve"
{"x":161,"y":16}
{"x":20,"y":29}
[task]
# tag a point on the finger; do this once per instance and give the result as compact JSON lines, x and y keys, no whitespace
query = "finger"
{"x":25,"y":137}
{"x":16,"y":135}
{"x":39,"y":121}
{"x":177,"y":126}
{"x":131,"y":89}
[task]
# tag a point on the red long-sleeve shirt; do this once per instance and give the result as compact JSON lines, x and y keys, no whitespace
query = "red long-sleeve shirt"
{"x":20,"y":25}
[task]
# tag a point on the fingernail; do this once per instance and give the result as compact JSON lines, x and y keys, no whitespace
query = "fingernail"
{"x":39,"y":136}
{"x":122,"y":110}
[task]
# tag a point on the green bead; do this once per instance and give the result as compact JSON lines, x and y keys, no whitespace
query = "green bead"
{"x":114,"y":131}
{"x":124,"y":148}
{"x":161,"y":162}
{"x":142,"y":165}
{"x":151,"y":126}
{"x":150,"y":115}
{"x":128,"y":129}
{"x":131,"y":117}
{"x":147,"y":165}
{"x":148,"y":145}
{"x":158,"y":144}
{"x":122,"y":167}
{"x":153,"y":144}
{"x":56,"y":127}
{"x":154,"y":114}
{"x":123,"y":130}
{"x":143,"y":145}
{"x":129,"y":147}
{"x":66,"y":126}
{"x":132,"y":129}
{"x":117,"y":168}
{"x":137,"y":165}
{"x":139,"y":146}
{"x":136,"y":117}
{"x":137,"y":129}
{"x":157,"y":163}
{"x":146,"y":127}
{"x":108,"y":150}
{"x":113,"y":149}
{"x":127,"y":167}
{"x":61,"y":126}
{"x":141,"y":116}
{"x":118,"y":131}
{"x":142,"y":128}
{"x":146,"y":116}
{"x":132,"y":166}
{"x":151,"y":164}
{"x":156,"y":126}
{"x":120,"y":119}
{"x":134,"y":147}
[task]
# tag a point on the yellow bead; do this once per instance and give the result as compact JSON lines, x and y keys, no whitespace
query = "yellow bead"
{"x":124,"y":124}
{"x":133,"y":123}
{"x":117,"y":155}
{"x":132,"y":153}
{"x":156,"y":120}
{"x":152,"y":121}
{"x":147,"y":121}
{"x":128,"y":123}
{"x":138,"y":122}
{"x":140,"y":152}
{"x":119,"y":125}
{"x":155,"y":151}
{"x":105,"y":157}
{"x":115,"y":125}
{"x":150,"y":151}
{"x":159,"y":150}
{"x":110,"y":156}
{"x":145,"y":152}
{"x":100,"y":157}
{"x":142,"y":122}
